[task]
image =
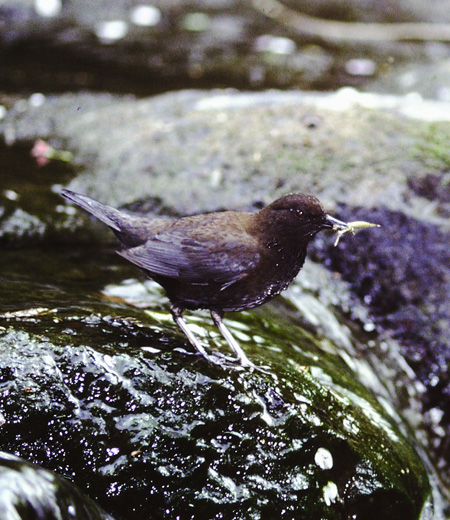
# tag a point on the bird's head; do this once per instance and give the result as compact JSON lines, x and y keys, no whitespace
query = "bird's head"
{"x":299,"y":217}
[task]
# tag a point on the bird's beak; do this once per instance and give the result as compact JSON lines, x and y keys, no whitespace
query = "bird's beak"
{"x":335,"y":224}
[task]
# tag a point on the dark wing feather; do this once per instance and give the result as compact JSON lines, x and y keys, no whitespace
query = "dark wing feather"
{"x":175,"y":254}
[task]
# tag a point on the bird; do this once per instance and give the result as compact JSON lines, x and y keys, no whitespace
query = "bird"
{"x":225,"y":261}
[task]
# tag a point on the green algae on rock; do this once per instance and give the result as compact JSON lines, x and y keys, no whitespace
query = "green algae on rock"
{"x":151,"y":431}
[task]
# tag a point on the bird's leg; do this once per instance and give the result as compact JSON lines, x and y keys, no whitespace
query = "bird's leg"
{"x":243,"y":359}
{"x":177,"y":315}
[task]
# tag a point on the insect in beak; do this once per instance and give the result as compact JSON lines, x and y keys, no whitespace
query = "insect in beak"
{"x":348,"y":227}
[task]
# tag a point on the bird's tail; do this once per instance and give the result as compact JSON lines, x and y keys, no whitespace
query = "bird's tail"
{"x":110,"y":216}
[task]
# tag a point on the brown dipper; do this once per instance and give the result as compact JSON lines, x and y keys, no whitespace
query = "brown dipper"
{"x":224,"y":261}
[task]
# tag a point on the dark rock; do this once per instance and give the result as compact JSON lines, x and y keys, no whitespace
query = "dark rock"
{"x":404,"y":278}
{"x":147,"y":432}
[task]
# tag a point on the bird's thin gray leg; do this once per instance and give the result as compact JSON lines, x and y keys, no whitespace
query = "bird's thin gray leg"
{"x":243,"y":359}
{"x":177,"y":315}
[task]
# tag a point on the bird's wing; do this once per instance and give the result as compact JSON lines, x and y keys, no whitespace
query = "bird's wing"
{"x":176,"y":254}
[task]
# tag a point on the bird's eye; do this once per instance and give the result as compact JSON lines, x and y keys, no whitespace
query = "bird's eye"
{"x":297,"y":212}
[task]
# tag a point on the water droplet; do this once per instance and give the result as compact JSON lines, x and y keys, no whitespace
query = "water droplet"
{"x":145,"y":15}
{"x":47,"y":8}
{"x":330,"y":493}
{"x":111,"y":31}
{"x":323,"y":458}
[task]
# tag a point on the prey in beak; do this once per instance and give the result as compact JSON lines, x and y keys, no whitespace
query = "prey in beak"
{"x":340,"y":227}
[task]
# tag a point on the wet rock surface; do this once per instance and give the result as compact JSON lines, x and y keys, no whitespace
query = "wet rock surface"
{"x":146,"y":428}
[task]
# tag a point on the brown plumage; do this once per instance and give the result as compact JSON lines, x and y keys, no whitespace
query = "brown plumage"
{"x":224,"y":261}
